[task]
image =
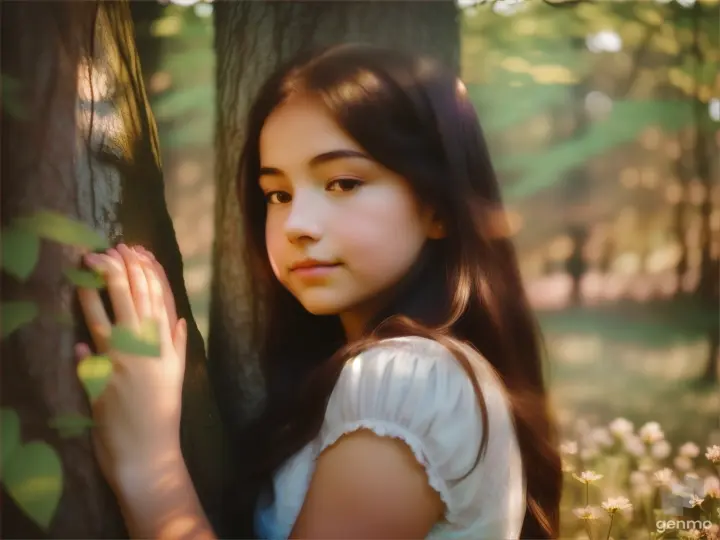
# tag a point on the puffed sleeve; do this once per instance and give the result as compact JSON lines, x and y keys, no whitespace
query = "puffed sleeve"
{"x":415,"y":390}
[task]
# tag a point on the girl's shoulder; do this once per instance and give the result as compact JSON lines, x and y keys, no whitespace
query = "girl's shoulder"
{"x":414,"y":389}
{"x":421,"y":366}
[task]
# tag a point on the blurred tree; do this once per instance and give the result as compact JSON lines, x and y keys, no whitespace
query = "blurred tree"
{"x":251,"y":39}
{"x":78,"y":138}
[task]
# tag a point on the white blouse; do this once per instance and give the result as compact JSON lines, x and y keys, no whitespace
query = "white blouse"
{"x":414,"y":389}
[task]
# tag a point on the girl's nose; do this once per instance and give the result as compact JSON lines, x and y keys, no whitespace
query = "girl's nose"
{"x":303,"y":222}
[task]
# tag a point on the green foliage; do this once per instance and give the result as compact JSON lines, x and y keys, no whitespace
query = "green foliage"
{"x":146,"y":342}
{"x":20,"y":250}
{"x":32,"y":473}
{"x":60,"y":228}
{"x":16,"y":314}
{"x":33,"y":477}
{"x":94,"y":373}
{"x":501,"y":110}
{"x":10,"y":425}
{"x":545,"y":169}
{"x":84,"y":278}
{"x":71,"y":425}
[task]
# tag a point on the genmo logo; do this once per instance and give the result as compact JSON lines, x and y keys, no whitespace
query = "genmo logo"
{"x":682,"y":525}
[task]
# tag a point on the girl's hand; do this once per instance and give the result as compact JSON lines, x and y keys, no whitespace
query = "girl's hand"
{"x":137,"y":417}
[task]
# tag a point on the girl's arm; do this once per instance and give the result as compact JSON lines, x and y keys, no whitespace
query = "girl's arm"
{"x":159,"y":501}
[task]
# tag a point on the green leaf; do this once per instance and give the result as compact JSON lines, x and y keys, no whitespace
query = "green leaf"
{"x":144,"y":343}
{"x":71,"y":424}
{"x":94,"y":373}
{"x":33,"y":477}
{"x":20,"y":250}
{"x":84,"y":278}
{"x":16,"y":314}
{"x":63,"y":229}
{"x":10,"y":435}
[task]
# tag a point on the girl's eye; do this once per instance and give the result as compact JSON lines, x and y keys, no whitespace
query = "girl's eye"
{"x":344,"y":184}
{"x":277,"y":197}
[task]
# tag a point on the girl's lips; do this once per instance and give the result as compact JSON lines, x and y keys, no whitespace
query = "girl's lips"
{"x":319,"y":270}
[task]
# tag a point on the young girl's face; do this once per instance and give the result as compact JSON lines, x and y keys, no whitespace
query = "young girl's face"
{"x":355,"y":226}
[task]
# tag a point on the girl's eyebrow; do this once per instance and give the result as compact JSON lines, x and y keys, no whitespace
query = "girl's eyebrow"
{"x":320,"y":159}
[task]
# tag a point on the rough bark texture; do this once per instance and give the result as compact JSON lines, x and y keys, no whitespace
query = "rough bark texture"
{"x":86,"y":147}
{"x":251,"y":39}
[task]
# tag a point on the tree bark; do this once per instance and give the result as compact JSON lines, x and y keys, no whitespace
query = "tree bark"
{"x":85,"y":146}
{"x":252,"y":38}
{"x":708,"y":289}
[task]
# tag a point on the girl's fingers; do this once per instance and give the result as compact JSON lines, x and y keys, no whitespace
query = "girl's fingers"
{"x":167,"y":291}
{"x":180,"y":340}
{"x":96,"y":317}
{"x":138,"y":282}
{"x":157,"y":304}
{"x":113,"y":268}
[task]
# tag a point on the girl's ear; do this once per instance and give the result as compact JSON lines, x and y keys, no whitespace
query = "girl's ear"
{"x":436,"y":227}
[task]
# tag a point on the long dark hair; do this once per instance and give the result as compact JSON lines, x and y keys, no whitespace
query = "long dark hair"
{"x":415,"y":119}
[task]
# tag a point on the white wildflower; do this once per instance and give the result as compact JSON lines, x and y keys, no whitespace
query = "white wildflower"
{"x":713,"y":453}
{"x":711,"y":487}
{"x":587,"y":513}
{"x":664,"y":477}
{"x":689,"y":450}
{"x":634,"y":445}
{"x":569,"y":448}
{"x":588,"y":477}
{"x":660,"y":450}
{"x":695,"y":501}
{"x":621,"y":427}
{"x":601,"y":436}
{"x":651,"y":433}
{"x":613,"y":504}
{"x":683,"y":463}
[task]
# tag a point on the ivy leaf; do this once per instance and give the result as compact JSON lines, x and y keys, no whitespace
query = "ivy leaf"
{"x":71,"y":424}
{"x":16,"y":314}
{"x":144,"y":343}
{"x":61,"y":228}
{"x":10,"y":424}
{"x":84,"y":278}
{"x":94,"y":373}
{"x":20,"y":250}
{"x":33,"y":477}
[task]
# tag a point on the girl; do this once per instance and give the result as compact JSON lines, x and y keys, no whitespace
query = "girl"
{"x":404,"y":386}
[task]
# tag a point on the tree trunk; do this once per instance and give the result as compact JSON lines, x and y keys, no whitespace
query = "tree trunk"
{"x":86,"y":146}
{"x":575,"y":193}
{"x":708,"y":289}
{"x":251,"y":39}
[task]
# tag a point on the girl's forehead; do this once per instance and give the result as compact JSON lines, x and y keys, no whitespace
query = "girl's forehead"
{"x":298,"y":130}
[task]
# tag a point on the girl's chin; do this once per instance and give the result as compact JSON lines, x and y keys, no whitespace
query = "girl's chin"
{"x":317,"y":305}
